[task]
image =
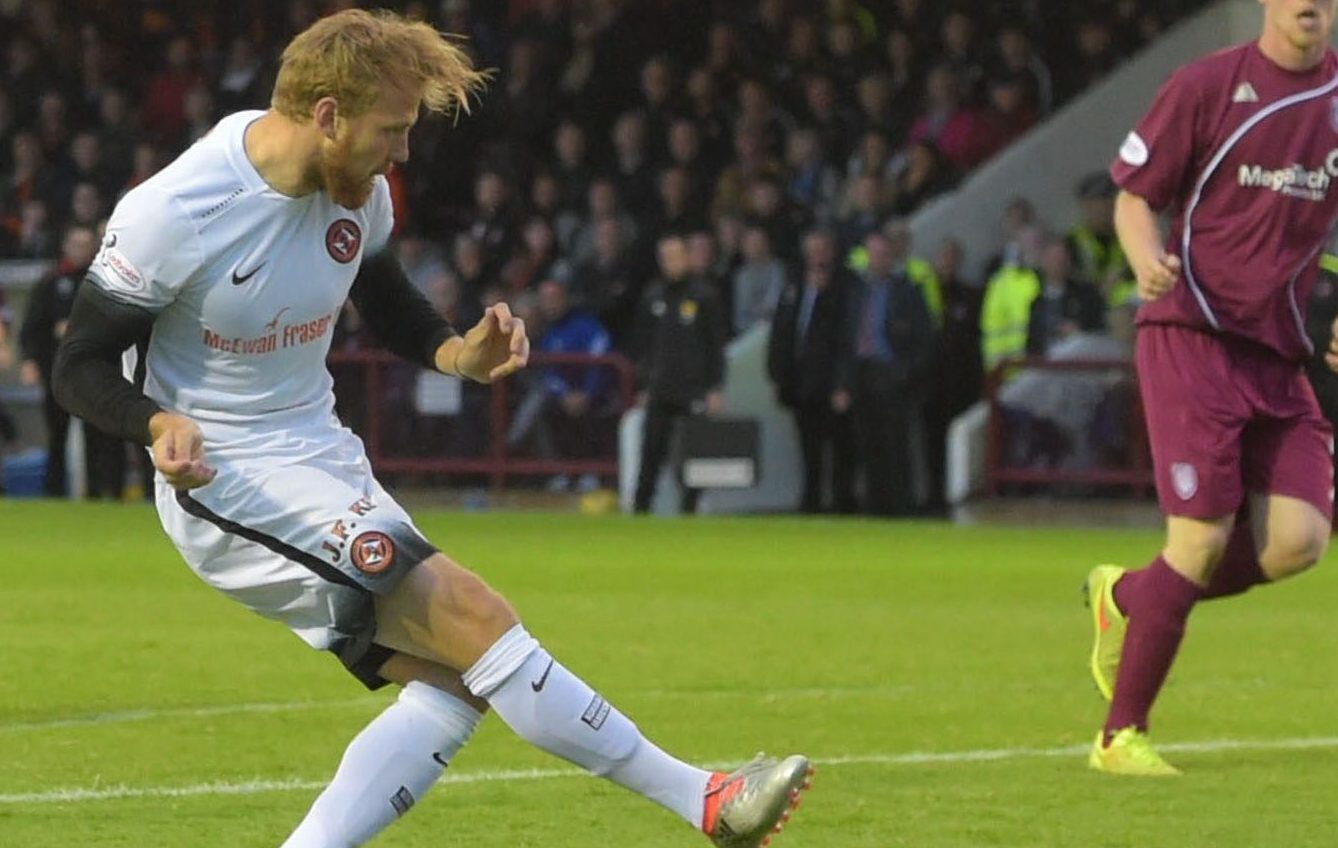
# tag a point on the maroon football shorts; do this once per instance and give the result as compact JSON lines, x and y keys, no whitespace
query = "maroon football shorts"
{"x":1227,"y":416}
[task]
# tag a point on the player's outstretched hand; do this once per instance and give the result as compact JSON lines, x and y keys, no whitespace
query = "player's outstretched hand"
{"x":178,"y":450}
{"x":495,"y":347}
{"x":1331,"y":355}
{"x":1156,"y":278}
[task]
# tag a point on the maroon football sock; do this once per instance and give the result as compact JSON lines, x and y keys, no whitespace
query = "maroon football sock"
{"x":1157,"y":602}
{"x":1239,"y":569}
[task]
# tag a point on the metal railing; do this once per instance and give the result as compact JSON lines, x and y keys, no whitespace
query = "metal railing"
{"x":1130,"y":466}
{"x":496,"y":461}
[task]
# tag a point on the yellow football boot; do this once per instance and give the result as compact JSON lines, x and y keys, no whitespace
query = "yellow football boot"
{"x":1108,"y":626}
{"x":1130,"y":752}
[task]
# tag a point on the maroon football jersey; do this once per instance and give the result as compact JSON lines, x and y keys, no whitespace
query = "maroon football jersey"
{"x":1244,"y":155}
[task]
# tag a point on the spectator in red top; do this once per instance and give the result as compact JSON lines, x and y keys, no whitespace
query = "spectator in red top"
{"x":164,"y":113}
{"x":955,"y":129}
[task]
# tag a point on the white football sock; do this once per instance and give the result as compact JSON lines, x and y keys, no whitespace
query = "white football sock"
{"x":387,"y":768}
{"x":552,"y":708}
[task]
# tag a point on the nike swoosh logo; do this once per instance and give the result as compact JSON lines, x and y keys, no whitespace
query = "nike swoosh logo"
{"x":539,"y":685}
{"x":237,"y":280}
{"x":436,"y":755}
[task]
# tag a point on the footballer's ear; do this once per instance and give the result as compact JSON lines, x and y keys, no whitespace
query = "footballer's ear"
{"x":326,"y":115}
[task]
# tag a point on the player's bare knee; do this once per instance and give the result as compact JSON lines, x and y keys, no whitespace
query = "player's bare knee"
{"x":1194,"y":548}
{"x":477,"y":606}
{"x":1297,"y":552}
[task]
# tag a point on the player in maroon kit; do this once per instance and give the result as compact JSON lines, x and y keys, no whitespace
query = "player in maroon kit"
{"x":1240,"y":149}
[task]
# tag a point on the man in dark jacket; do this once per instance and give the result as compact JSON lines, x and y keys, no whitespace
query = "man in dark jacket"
{"x":889,"y":339}
{"x":1067,"y":305}
{"x":43,"y":326}
{"x":680,"y":343}
{"x":807,"y":334}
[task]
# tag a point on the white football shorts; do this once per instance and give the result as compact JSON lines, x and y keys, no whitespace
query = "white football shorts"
{"x":306,"y":542}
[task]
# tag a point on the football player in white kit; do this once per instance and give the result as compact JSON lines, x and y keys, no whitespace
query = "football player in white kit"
{"x":234,"y":262}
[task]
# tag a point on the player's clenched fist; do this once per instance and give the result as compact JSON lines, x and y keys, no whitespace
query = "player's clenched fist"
{"x":1157,"y":276}
{"x":178,"y":450}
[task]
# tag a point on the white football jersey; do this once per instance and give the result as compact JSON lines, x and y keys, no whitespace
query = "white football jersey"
{"x":247,"y":285}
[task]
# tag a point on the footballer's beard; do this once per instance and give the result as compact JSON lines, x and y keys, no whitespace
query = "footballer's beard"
{"x":345,"y":185}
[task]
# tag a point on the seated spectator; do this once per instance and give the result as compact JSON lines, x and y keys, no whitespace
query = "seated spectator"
{"x":1066,"y":305}
{"x":960,"y":53}
{"x":87,"y":207}
{"x":867,"y":209}
{"x":476,"y":283}
{"x":423,"y":262}
{"x":877,"y":108}
{"x":572,"y":169}
{"x":608,"y":282}
{"x":633,"y":167}
{"x":1007,"y":115}
{"x":811,"y":183}
{"x":926,"y":173}
{"x":685,"y":152}
{"x":242,"y":83}
{"x":751,"y":160}
{"x":1017,"y":57}
{"x":558,"y":409}
{"x":31,"y":178}
{"x":702,"y":264}
{"x":766,"y":208}
{"x":603,"y":202}
{"x":758,"y":282}
{"x":492,"y":223}
{"x":145,"y":159}
{"x":538,"y":258}
{"x":89,"y":166}
{"x":826,"y":116}
{"x":675,"y":212}
{"x":708,"y":115}
{"x":36,"y":236}
{"x":948,"y":122}
{"x":658,"y":103}
{"x":163,"y":114}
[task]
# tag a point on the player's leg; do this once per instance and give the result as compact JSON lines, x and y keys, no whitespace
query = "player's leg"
{"x":1195,"y":416}
{"x":308,"y":546}
{"x":395,"y":759}
{"x":446,"y":613}
{"x":1289,"y":473}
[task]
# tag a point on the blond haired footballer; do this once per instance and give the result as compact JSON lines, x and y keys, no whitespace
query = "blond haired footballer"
{"x":233,"y":262}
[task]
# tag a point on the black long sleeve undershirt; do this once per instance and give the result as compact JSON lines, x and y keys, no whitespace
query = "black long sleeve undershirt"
{"x":399,"y":315}
{"x":87,"y":377}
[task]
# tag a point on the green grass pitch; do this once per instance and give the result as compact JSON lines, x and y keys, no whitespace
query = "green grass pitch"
{"x":936,"y":674}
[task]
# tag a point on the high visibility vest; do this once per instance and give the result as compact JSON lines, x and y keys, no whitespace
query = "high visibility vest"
{"x":1005,"y":314}
{"x":1098,"y":258}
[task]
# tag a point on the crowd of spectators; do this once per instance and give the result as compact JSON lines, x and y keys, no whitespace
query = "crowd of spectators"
{"x":608,"y":123}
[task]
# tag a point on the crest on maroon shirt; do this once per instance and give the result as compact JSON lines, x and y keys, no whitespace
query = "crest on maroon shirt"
{"x":1185,"y":479}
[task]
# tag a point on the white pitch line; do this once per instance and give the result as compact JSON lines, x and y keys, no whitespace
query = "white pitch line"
{"x":257,"y":787}
{"x":148,"y":714}
{"x":125,"y":716}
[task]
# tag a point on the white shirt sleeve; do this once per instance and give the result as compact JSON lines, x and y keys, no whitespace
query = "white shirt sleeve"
{"x":150,"y":252}
{"x":380,"y":217}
